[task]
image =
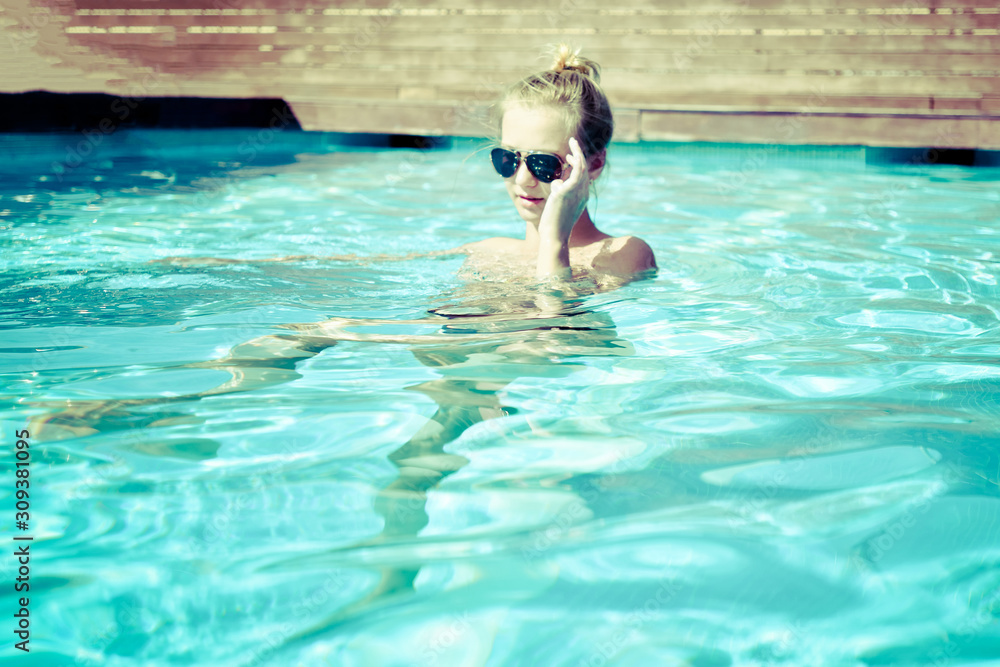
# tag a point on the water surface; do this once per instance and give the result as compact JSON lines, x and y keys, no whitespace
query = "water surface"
{"x":782,"y":449}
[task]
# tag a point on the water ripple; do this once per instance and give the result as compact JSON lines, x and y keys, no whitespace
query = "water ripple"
{"x":778,"y":450}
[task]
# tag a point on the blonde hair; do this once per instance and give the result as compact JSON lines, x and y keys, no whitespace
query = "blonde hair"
{"x":571,"y":85}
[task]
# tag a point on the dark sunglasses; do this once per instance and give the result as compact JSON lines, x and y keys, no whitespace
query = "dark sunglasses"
{"x":546,"y":167}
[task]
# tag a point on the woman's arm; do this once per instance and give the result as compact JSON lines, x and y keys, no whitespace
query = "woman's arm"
{"x":567,"y":202}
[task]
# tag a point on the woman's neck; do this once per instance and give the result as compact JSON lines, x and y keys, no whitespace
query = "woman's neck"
{"x":584,"y":232}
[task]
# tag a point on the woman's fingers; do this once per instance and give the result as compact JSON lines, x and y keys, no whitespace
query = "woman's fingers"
{"x":574,"y":162}
{"x":577,"y":164}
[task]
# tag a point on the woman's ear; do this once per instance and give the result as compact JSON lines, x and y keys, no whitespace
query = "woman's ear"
{"x":596,"y":164}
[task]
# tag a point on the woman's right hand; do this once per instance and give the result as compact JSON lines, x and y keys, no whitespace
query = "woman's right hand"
{"x":567,"y":199}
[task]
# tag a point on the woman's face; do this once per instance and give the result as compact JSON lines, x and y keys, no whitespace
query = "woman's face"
{"x":532,"y":129}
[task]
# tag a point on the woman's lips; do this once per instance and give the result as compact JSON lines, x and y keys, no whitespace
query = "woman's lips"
{"x":531,"y":201}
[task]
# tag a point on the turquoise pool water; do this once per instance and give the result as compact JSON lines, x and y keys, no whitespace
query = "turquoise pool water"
{"x":780,"y":450}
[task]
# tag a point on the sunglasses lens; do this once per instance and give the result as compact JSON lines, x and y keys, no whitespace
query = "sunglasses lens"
{"x":546,"y":168}
{"x":504,"y":161}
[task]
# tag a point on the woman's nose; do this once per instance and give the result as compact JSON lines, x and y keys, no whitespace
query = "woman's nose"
{"x":523,"y":176}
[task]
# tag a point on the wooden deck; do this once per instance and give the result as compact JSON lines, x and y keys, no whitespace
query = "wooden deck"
{"x":869,"y":72}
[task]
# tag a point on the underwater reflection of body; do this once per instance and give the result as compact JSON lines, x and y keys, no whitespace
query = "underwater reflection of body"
{"x":483,"y":342}
{"x":481,"y":347}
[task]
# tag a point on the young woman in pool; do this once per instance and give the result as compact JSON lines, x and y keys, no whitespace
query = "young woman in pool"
{"x":554,"y":130}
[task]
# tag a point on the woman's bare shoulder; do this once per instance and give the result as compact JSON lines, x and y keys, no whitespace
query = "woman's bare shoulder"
{"x":503,"y":244}
{"x":624,"y":255}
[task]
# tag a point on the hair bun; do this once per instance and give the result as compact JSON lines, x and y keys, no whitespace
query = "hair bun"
{"x":565,"y":58}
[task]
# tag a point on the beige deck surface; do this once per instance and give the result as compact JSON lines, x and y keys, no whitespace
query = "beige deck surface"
{"x":873,"y":72}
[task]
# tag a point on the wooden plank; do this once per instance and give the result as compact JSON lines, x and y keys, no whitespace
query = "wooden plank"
{"x":806,"y":129}
{"x":675,"y":126}
{"x":791,"y":84}
{"x":473,"y":78}
{"x":159,"y":44}
{"x":304,"y":90}
{"x":779,"y":61}
{"x":408,"y":118}
{"x":620,"y":84}
{"x":363,"y":59}
{"x":732,"y":104}
{"x":530,"y":45}
{"x":213,"y":7}
{"x":677,"y":8}
{"x":444,"y":21}
{"x":794,"y":102}
{"x":627,"y":125}
{"x":719,"y":6}
{"x":704,"y":63}
{"x":970,"y":104}
{"x":958,"y":105}
{"x":924,"y":105}
{"x":764,"y":61}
